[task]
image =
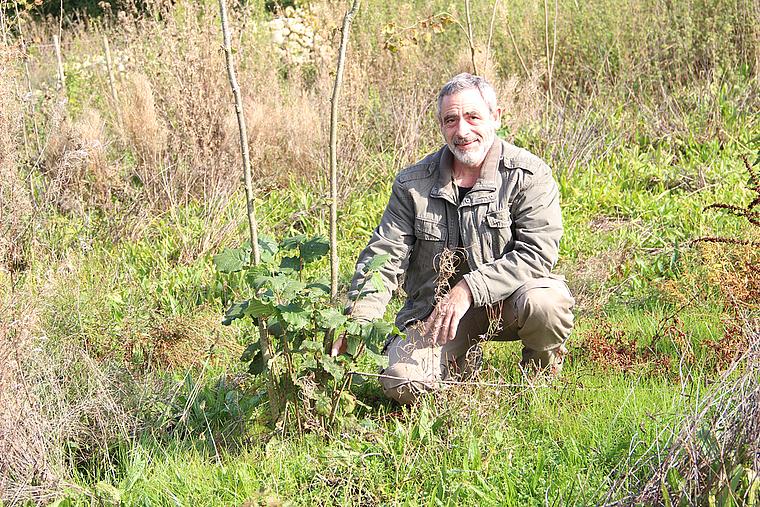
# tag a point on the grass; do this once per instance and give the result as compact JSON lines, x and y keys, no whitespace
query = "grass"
{"x":121,"y":383}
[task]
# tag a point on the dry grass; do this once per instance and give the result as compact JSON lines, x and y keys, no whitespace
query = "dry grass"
{"x":713,"y":450}
{"x":15,"y":207}
{"x":142,"y":126}
{"x":23,"y":428}
{"x":76,"y":166}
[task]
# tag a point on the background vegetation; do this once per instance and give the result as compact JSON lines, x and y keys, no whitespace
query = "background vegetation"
{"x":119,"y":384}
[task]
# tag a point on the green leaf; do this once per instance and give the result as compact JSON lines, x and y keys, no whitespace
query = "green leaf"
{"x":358,"y":328}
{"x":257,"y":308}
{"x":292,"y":242}
{"x":376,"y":263}
{"x":330,"y":318}
{"x":257,"y":276}
{"x":294,"y":315}
{"x":380,"y":330}
{"x":230,"y":261}
{"x":286,"y":286}
{"x":257,"y":366}
{"x":675,"y":481}
{"x":249,"y":351}
{"x":290,"y":265}
{"x":347,"y":402}
{"x":314,"y":248}
{"x":379,"y":359}
{"x":332,"y":367}
{"x":318,"y":290}
{"x":267,"y":248}
{"x":352,"y":344}
{"x":323,"y":406}
{"x":377,"y":282}
{"x":235,"y":311}
{"x":311,"y":345}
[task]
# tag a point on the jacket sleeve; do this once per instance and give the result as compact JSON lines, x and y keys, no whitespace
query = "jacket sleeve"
{"x":537,"y":229}
{"x":394,"y":236}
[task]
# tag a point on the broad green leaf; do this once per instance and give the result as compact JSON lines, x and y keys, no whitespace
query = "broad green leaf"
{"x":332,"y":367}
{"x":377,"y":282}
{"x":311,"y":345}
{"x":674,"y":479}
{"x":323,"y":406}
{"x":381,"y":330}
{"x":290,"y":265}
{"x":235,"y":311}
{"x":230,"y":261}
{"x":330,"y":318}
{"x":292,"y":242}
{"x":258,"y":276}
{"x":352,"y":344}
{"x":319,"y":289}
{"x":286,"y":286}
{"x":257,"y":308}
{"x":376,"y":263}
{"x":267,"y":248}
{"x":347,"y":402}
{"x":379,"y":359}
{"x":249,"y":351}
{"x":314,"y":248}
{"x":357,"y":328}
{"x":257,"y":366}
{"x":294,"y":315}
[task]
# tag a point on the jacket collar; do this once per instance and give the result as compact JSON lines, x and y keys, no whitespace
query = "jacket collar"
{"x":444,"y":187}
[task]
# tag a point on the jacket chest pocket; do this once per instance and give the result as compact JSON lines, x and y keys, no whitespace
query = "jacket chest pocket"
{"x":431,"y":234}
{"x":498,"y":233}
{"x":427,"y":229}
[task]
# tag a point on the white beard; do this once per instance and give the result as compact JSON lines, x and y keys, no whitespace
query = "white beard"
{"x":474,"y":156}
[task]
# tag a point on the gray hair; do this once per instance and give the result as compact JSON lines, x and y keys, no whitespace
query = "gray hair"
{"x":465,"y":81}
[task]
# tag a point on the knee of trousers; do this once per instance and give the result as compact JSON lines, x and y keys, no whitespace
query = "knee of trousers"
{"x":402,"y":383}
{"x":544,"y":317}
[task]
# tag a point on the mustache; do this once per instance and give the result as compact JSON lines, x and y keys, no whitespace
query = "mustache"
{"x":459,"y":140}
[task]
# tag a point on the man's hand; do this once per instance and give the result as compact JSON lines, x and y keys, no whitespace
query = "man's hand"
{"x":444,"y":320}
{"x":339,"y":346}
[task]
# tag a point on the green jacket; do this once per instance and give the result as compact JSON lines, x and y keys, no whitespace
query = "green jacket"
{"x":509,"y":225}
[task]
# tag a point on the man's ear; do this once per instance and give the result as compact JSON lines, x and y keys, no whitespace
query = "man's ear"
{"x":496,"y":115}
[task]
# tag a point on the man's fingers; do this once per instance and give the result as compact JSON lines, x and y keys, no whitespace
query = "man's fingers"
{"x":337,"y":345}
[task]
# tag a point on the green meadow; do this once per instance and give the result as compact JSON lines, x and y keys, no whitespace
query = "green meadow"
{"x":121,"y":182}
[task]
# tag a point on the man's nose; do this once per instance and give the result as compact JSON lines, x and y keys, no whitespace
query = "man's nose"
{"x":463,"y":128}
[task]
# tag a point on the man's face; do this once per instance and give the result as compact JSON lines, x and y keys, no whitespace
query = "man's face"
{"x":468,"y":127}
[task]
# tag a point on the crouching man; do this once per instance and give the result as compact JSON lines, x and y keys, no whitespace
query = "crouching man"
{"x":475,"y":227}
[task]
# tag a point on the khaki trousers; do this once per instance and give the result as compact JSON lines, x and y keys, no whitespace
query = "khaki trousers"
{"x":539,"y":314}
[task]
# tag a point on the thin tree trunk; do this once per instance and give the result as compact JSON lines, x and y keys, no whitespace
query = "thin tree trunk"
{"x":470,"y":39}
{"x":61,"y":75}
{"x":333,"y":151}
{"x":109,"y":68}
{"x":274,"y":399}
